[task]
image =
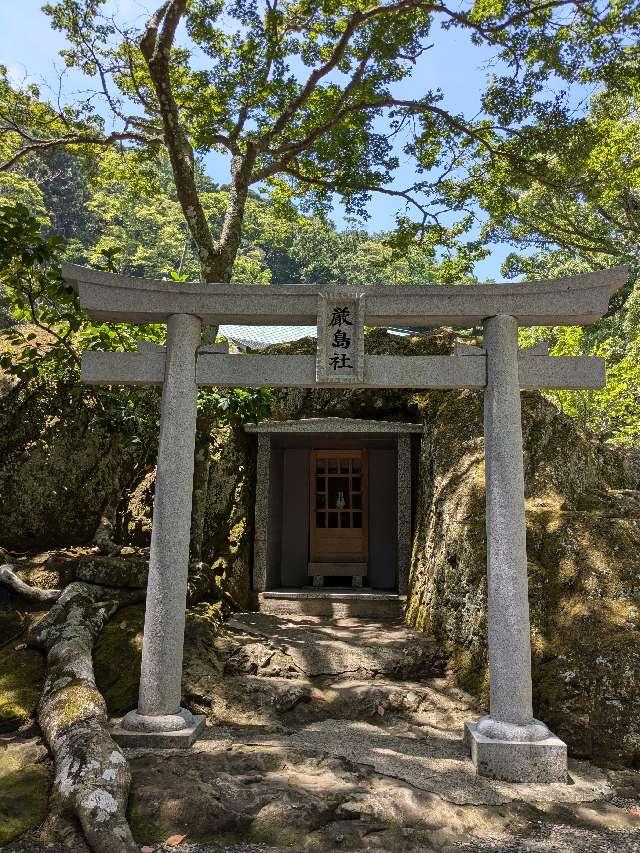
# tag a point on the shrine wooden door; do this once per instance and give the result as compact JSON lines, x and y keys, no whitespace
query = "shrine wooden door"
{"x":338,"y":513}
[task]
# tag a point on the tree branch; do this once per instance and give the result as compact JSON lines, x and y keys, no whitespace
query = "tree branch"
{"x":292,"y":149}
{"x":515,"y":18}
{"x":405,"y":194}
{"x":156,"y":46}
{"x":356,"y":20}
{"x":76,"y":139}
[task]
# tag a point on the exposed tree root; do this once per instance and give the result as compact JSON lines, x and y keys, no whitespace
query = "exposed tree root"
{"x":92,"y":776}
{"x":32,"y":593}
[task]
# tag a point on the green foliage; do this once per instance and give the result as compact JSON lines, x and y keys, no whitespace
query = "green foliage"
{"x":306,"y":101}
{"x":237,"y":406}
{"x":614,"y":411}
{"x":136,"y":228}
{"x":303,"y":99}
{"x":353,"y":256}
{"x":574,"y":190}
{"x":35,"y":293}
{"x":568,"y":199}
{"x":51,"y":330}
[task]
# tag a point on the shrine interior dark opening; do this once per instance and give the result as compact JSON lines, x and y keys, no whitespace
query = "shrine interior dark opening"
{"x":338,"y":508}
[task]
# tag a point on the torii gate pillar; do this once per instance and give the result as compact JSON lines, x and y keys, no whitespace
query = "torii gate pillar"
{"x":508,"y":743}
{"x":159,"y":715}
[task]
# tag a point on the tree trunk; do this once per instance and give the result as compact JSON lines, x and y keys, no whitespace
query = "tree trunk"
{"x":219,"y":265}
{"x":32,"y":593}
{"x":216,"y":257}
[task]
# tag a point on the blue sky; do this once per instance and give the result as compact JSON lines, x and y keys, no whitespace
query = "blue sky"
{"x":29,"y":47}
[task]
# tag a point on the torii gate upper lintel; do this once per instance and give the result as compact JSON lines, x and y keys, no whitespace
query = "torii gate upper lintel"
{"x":508,"y":743}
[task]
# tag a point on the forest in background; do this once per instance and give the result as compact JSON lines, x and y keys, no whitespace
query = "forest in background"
{"x":556,"y":180}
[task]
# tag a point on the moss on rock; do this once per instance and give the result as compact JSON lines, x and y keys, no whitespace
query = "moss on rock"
{"x":114,"y":571}
{"x":118,"y":652}
{"x":22,"y":673}
{"x":583,"y":532}
{"x":65,"y":454}
{"x":583,"y":541}
{"x":228,"y":519}
{"x":116,"y":659}
{"x":24,"y":789}
{"x":134,"y":519}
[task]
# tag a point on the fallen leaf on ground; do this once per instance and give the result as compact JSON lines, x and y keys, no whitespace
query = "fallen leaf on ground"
{"x":174,"y":840}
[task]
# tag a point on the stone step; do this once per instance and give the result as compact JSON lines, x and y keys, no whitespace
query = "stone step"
{"x":333,"y":603}
{"x":349,"y":647}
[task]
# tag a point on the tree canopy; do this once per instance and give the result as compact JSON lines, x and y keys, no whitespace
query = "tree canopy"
{"x":308,"y":103}
{"x":306,"y":99}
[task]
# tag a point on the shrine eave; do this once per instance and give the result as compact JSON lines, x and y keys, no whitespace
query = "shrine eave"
{"x":572,"y":300}
{"x":334,"y":425}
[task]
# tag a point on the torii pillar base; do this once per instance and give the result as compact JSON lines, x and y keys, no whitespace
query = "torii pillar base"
{"x":517,"y":760}
{"x":137,"y":731}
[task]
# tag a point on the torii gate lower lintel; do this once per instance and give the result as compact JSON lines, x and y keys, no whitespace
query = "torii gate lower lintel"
{"x":507,"y":744}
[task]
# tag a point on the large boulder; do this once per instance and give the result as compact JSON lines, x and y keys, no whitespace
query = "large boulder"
{"x":66,"y":454}
{"x":583,"y":542}
{"x":63,"y":457}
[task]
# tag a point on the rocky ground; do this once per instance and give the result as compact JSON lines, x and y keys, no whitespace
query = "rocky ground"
{"x":329,"y":736}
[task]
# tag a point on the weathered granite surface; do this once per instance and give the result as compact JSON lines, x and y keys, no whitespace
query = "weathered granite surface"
{"x":573,"y":299}
{"x":507,"y":590}
{"x":583,"y":540}
{"x":582,"y":533}
{"x":440,"y":766}
{"x":161,"y":669}
{"x":529,"y":761}
{"x":63,"y":460}
{"x":324,"y":647}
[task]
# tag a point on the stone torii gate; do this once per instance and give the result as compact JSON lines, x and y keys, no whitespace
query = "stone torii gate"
{"x":508,"y":743}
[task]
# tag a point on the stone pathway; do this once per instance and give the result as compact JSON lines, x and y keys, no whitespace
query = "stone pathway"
{"x":331,"y":736}
{"x":344,"y":647}
{"x":345,"y":735}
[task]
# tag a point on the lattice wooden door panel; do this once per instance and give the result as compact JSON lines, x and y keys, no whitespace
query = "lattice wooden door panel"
{"x":338,"y":512}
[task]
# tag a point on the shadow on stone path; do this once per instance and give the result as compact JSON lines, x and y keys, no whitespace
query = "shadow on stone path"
{"x":346,"y":735}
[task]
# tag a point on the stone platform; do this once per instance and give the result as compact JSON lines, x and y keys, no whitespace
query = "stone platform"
{"x":179,"y":739}
{"x":332,"y":602}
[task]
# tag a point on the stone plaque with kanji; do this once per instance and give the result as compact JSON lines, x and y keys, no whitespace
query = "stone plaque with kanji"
{"x":340,"y":357}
